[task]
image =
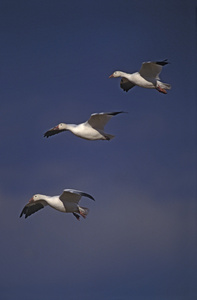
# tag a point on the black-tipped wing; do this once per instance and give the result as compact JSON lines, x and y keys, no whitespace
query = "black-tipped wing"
{"x":86,"y":195}
{"x":152,"y":69}
{"x":30,"y":209}
{"x":98,"y":121}
{"x":71,"y":195}
{"x":162,"y":63}
{"x":125,"y":84}
{"x":53,"y":131}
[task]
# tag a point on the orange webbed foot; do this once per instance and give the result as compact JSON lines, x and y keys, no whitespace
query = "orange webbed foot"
{"x":161,"y":90}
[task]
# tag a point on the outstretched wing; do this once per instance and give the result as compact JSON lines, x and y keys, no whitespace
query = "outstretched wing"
{"x":125,"y":84}
{"x":31,"y":208}
{"x":152,"y":69}
{"x":98,"y":121}
{"x":53,"y":131}
{"x":74,"y":196}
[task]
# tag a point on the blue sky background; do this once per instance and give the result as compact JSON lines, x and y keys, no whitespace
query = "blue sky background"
{"x":139,"y":239}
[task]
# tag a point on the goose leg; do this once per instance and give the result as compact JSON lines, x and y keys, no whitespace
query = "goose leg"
{"x":76,"y":216}
{"x":161,"y":90}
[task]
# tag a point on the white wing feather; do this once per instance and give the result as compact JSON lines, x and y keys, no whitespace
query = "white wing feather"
{"x":150,"y":70}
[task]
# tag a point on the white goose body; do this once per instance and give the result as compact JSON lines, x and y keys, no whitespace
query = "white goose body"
{"x":67,"y":202}
{"x":147,"y":77}
{"x":137,"y":79}
{"x":57,"y":204}
{"x":85,"y":131}
{"x":93,"y":129}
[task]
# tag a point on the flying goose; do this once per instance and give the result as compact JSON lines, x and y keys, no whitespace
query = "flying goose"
{"x":67,"y":202}
{"x":147,"y":77}
{"x":93,"y":129}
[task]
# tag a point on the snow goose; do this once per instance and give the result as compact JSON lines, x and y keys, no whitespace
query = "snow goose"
{"x":67,"y":202}
{"x":93,"y":129}
{"x":147,"y":77}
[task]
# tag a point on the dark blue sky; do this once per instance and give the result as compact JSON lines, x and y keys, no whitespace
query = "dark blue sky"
{"x":139,"y":239}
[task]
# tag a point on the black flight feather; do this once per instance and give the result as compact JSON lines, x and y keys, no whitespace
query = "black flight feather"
{"x":29,"y":210}
{"x":51,"y":132}
{"x":162,"y":63}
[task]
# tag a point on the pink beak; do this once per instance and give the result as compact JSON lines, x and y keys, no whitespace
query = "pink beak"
{"x":111,"y":76}
{"x":31,"y":200}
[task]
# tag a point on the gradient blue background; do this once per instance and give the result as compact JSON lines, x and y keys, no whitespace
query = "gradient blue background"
{"x":139,"y":239}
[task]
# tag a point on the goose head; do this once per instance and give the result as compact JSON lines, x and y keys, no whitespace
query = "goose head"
{"x":61,"y":126}
{"x":116,"y":74}
{"x":35,"y":198}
